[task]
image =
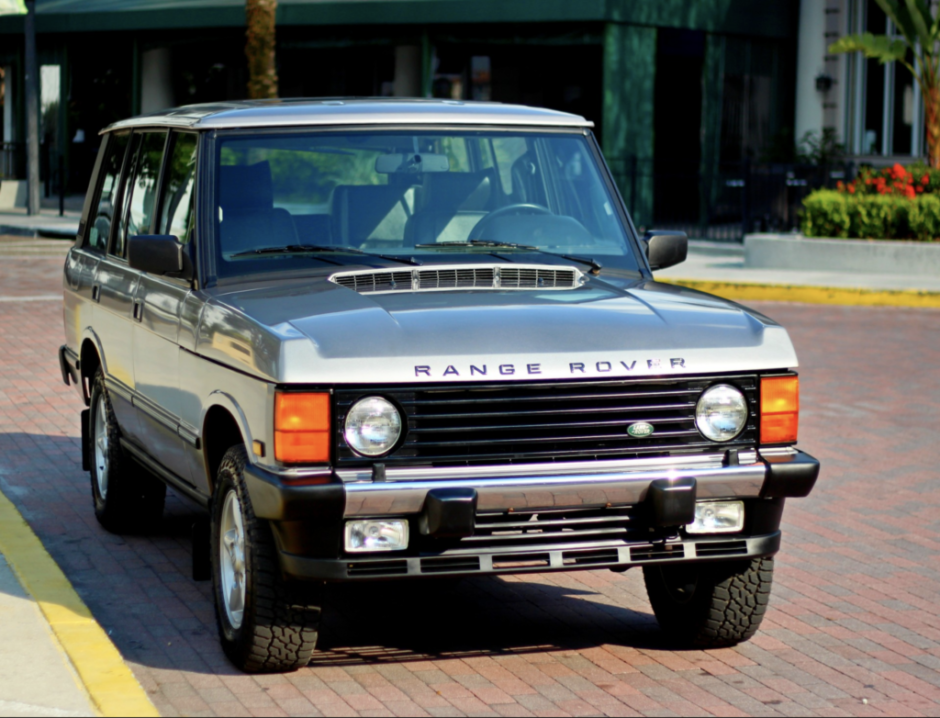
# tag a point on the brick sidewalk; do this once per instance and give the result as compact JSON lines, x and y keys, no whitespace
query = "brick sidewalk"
{"x":853,"y":629}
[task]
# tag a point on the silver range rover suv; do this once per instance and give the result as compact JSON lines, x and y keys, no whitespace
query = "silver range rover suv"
{"x":409,"y":339}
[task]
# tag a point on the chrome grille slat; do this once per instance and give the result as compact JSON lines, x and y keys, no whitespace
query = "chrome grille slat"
{"x":533,"y":427}
{"x":461,"y":276}
{"x":455,"y":396}
{"x":549,"y":412}
{"x":623,"y":524}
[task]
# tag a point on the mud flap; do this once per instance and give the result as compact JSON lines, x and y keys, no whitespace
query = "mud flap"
{"x":86,"y":459}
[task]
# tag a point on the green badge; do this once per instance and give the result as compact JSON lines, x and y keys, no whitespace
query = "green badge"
{"x":640,"y":430}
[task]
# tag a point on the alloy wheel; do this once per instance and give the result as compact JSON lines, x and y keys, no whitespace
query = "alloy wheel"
{"x":101,"y":447}
{"x":232,"y":560}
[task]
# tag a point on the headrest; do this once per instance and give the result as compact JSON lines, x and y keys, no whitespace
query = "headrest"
{"x":246,"y":187}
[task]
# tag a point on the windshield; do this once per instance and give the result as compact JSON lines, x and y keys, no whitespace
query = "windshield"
{"x":295,"y":201}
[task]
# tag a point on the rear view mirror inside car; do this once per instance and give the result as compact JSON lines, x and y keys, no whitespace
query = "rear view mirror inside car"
{"x":412,"y":162}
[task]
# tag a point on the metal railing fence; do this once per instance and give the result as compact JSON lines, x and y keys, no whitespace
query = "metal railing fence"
{"x":723,"y":204}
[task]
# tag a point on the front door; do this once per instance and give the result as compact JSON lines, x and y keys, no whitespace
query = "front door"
{"x":156,"y":330}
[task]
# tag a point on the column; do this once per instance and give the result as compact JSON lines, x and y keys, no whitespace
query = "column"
{"x":408,"y":71}
{"x":810,"y":62}
{"x":156,"y":81}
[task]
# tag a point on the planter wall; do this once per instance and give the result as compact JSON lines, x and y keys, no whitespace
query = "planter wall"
{"x":788,"y":251}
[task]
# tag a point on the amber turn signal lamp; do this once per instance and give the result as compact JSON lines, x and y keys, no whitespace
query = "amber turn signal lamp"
{"x":302,"y":428}
{"x":779,"y":409}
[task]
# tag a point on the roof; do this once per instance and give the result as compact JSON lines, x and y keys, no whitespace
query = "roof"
{"x":351,"y":111}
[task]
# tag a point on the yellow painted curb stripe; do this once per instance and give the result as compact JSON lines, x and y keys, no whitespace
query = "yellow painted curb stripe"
{"x":743,"y":291}
{"x":113,"y":688}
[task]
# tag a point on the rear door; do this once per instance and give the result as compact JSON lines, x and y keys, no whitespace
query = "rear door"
{"x":81,"y":266}
{"x":157,"y":317}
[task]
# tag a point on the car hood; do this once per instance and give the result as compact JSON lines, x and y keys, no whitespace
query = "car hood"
{"x":316,"y":332}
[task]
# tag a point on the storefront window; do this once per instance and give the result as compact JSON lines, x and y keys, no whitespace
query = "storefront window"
{"x":885,"y":112}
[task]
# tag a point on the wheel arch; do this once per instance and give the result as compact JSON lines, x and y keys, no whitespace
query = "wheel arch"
{"x":91,"y":357}
{"x":223,"y":426}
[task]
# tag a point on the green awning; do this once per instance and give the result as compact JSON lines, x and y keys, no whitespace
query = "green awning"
{"x":768,"y":18}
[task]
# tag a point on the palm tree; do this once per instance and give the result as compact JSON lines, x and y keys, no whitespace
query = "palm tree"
{"x":262,"y":73}
{"x":920,"y":34}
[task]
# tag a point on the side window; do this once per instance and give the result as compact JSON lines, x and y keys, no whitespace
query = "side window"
{"x":176,"y":215}
{"x":140,"y":194}
{"x":104,"y":206}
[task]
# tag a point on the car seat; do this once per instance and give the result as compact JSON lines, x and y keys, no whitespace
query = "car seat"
{"x":249,"y":218}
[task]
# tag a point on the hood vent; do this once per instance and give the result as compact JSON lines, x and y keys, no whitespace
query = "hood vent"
{"x":461,"y":277}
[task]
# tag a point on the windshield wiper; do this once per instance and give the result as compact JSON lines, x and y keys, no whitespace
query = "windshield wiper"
{"x":299,"y":248}
{"x":595,"y":266}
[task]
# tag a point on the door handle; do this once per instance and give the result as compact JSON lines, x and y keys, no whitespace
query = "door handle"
{"x":96,"y":292}
{"x":138,"y":310}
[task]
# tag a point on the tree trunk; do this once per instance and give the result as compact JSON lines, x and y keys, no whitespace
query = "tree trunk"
{"x":262,"y":74}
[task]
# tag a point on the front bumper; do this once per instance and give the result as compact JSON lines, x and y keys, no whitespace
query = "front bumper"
{"x":308,"y":520}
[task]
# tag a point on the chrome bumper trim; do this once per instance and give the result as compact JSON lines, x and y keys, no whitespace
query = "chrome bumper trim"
{"x":394,"y":474}
{"x":543,"y":490}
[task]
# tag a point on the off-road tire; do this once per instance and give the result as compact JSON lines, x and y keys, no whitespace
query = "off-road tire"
{"x":134,"y":499}
{"x":278,"y":632}
{"x":715,"y":605}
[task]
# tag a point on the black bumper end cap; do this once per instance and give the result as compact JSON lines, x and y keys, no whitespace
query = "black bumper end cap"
{"x":792,"y":476}
{"x":672,"y":501}
{"x":449,"y":513}
{"x":276,"y":500}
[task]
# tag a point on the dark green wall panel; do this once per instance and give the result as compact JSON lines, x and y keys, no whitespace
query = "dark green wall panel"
{"x":629,"y":85}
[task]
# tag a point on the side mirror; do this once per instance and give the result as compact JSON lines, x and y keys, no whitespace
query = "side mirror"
{"x":665,"y":248}
{"x":160,"y":254}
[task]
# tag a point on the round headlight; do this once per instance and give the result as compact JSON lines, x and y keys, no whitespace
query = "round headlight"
{"x":721,"y":412}
{"x":373,"y":426}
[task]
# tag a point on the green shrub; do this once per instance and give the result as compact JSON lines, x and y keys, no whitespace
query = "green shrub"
{"x":830,"y":213}
{"x":826,"y":214}
{"x":925,"y":217}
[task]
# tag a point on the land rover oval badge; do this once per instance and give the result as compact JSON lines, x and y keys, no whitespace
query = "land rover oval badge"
{"x":640,"y":430}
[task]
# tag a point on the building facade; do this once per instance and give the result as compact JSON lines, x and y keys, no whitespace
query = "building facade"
{"x":876,"y":111}
{"x":678,"y":89}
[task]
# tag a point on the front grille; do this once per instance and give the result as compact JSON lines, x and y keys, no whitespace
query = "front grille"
{"x":441,"y":278}
{"x":528,"y":529}
{"x":450,"y":425}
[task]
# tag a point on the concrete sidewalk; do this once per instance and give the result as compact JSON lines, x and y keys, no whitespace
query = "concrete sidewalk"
{"x":714,"y":262}
{"x":36,"y":676}
{"x":718,"y":268}
{"x":47,"y":223}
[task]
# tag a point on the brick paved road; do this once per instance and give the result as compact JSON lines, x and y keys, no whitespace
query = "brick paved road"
{"x":854,"y":625}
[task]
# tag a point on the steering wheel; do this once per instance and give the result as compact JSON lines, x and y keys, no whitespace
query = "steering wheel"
{"x":479,"y":231}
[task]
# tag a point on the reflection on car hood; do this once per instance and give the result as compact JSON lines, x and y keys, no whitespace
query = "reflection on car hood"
{"x":314,"y":331}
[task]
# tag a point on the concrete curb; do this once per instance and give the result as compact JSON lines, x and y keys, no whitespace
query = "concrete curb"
{"x":772,"y":251}
{"x":743,"y":291}
{"x":112,"y":686}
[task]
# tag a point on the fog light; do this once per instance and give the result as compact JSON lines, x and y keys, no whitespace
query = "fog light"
{"x":376,"y":535}
{"x":717,"y":517}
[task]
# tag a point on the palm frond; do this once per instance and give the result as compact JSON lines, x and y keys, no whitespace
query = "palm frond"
{"x":878,"y":47}
{"x":921,"y":17}
{"x":898,"y":13}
